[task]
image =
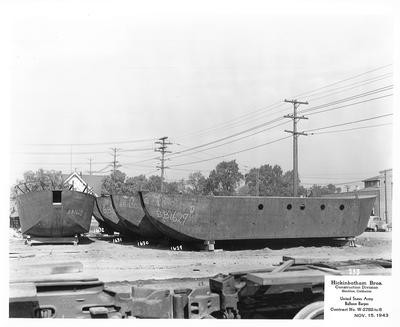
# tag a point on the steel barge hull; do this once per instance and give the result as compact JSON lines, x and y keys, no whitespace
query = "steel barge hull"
{"x":218,"y":218}
{"x":55,"y":214}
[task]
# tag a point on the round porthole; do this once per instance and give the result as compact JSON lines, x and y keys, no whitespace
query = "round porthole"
{"x":302,"y":206}
{"x":260,"y":206}
{"x":289,"y":207}
{"x":341,"y":207}
{"x":322,"y":206}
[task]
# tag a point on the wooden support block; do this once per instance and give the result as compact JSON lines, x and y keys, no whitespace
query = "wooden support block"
{"x":286,"y":264}
{"x":209,"y":245}
{"x":288,"y":277}
{"x":305,"y":260}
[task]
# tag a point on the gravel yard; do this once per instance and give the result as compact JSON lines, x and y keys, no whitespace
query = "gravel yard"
{"x":126,"y":261}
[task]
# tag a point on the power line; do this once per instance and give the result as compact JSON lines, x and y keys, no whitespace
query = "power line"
{"x":351,"y":129}
{"x":140,"y":161}
{"x":63,"y":163}
{"x":232,"y":153}
{"x":348,"y":123}
{"x":348,"y":105}
{"x":235,"y":140}
{"x":344,"y":80}
{"x":279,"y":103}
{"x":349,"y":87}
{"x":88,"y":144}
{"x":228,"y":137}
{"x":136,"y":150}
{"x":353,"y":97}
{"x":58,"y":153}
{"x":175,"y":155}
{"x":342,"y":89}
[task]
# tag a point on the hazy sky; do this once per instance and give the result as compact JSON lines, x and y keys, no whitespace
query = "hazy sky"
{"x":91,"y":72}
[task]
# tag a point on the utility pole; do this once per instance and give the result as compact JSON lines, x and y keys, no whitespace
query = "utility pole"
{"x":258,"y":182}
{"x":115,"y":163}
{"x":386,"y":214}
{"x":162,"y":148}
{"x":70,"y":158}
{"x":295,"y":133}
{"x":90,"y":166}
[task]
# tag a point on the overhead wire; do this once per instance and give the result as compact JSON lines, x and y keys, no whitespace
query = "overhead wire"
{"x":235,"y":140}
{"x":89,"y":144}
{"x":232,"y":153}
{"x":348,"y":105}
{"x":351,"y":129}
{"x":349,"y":123}
{"x":279,"y":103}
{"x":227,"y":137}
{"x":177,"y":154}
{"x":353,"y":97}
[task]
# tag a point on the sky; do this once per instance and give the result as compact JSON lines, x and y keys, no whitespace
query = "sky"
{"x":87,"y":77}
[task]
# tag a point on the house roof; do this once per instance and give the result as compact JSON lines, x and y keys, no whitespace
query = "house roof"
{"x":93,"y":181}
{"x":375,"y":178}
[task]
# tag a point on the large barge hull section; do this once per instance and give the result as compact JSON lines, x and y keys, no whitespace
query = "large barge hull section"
{"x":208,"y":218}
{"x":55,"y":214}
{"x":130,"y":211}
{"x":111,"y":220}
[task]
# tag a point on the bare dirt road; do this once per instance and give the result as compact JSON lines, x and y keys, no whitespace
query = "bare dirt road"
{"x":128,"y":262}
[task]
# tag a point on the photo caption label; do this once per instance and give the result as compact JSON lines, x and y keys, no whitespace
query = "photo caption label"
{"x":358,"y":297}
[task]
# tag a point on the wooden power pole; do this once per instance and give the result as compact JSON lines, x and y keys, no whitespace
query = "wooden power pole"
{"x":162,"y":148}
{"x":115,"y":163}
{"x":295,"y":133}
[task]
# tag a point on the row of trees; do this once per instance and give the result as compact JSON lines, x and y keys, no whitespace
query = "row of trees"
{"x":224,"y":179}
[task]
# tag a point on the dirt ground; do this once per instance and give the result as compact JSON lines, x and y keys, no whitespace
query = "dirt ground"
{"x":126,"y":261}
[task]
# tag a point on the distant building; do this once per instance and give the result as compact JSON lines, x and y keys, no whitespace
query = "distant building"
{"x":14,"y":216}
{"x":381,"y":186}
{"x":80,"y":182}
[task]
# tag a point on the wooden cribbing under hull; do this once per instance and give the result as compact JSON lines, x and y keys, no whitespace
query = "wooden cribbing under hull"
{"x":41,"y":217}
{"x":111,"y":220}
{"x":130,"y":211}
{"x":209,"y":218}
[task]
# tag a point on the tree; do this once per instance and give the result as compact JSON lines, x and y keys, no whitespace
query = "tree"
{"x":40,"y":180}
{"x":272,"y":181}
{"x":224,"y":179}
{"x":134,"y":184}
{"x":318,"y":190}
{"x":244,"y":190}
{"x":114,"y":183}
{"x":175,"y":187}
{"x":197,"y":183}
{"x":287,"y":187}
{"x":153,"y":184}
